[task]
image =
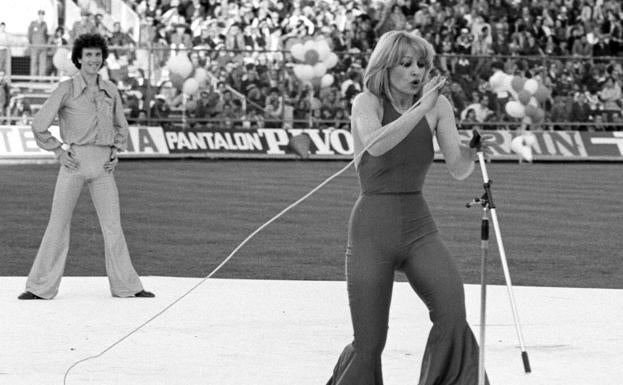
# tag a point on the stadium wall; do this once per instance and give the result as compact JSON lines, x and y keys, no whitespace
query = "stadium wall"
{"x":18,"y":144}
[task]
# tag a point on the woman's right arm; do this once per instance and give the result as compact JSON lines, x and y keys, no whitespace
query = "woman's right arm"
{"x":367,"y":113}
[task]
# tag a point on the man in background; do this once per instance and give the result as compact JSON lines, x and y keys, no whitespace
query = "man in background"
{"x":38,"y":38}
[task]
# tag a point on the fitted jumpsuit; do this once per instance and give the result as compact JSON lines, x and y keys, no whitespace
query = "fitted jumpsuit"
{"x":391,"y":229}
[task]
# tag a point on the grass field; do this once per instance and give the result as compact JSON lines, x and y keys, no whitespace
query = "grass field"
{"x":561,"y":223}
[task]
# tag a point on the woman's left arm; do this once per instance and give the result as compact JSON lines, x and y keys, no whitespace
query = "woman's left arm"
{"x":459,"y":157}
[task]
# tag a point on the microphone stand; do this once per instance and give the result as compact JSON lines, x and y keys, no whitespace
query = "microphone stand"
{"x":488,"y":205}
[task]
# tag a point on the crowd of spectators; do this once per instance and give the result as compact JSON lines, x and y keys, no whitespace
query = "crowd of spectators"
{"x":574,"y":47}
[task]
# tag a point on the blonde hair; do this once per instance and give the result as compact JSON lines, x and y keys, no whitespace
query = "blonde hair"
{"x":388,"y":52}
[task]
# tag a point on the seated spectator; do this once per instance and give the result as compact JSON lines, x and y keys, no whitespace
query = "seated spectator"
{"x":207,"y":104}
{"x":481,"y":109}
{"x":273,"y":112}
{"x":610,"y":95}
{"x":160,"y":111}
{"x":559,"y":112}
{"x":20,"y":108}
{"x":580,"y":110}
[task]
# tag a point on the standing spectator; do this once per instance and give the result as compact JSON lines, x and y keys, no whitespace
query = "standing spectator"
{"x":5,"y":48}
{"x":37,"y":38}
{"x":100,"y":28}
{"x":120,"y":40}
{"x":5,"y":95}
{"x":82,"y":26}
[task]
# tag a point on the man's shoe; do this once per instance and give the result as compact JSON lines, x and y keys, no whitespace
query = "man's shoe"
{"x":144,"y":294}
{"x":28,"y":295}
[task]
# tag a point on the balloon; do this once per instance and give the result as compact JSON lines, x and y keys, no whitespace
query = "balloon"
{"x":515,"y":109}
{"x":542,"y":93}
{"x":518,"y":83}
{"x":531,"y":86}
{"x":311,"y":56}
{"x":524,"y":97}
{"x":299,"y":144}
{"x":326,"y":80}
{"x":309,"y":45}
{"x":180,"y":64}
{"x":519,"y":147}
{"x":529,"y":138}
{"x":537,"y":114}
{"x":177,"y":80}
{"x":533,"y":102}
{"x":298,"y":51}
{"x":191,"y":86}
{"x":59,"y":58}
{"x":319,"y":70}
{"x":331,"y":61}
{"x":290,"y":42}
{"x":201,"y":75}
{"x":323,"y":49}
{"x":506,"y":82}
{"x":304,"y":71}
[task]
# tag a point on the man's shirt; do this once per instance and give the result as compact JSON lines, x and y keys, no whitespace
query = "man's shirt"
{"x":83,"y":119}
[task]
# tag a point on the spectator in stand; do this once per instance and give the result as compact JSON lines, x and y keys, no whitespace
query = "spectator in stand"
{"x":207,"y":104}
{"x":19,"y":108}
{"x":160,"y":111}
{"x":481,"y":109}
{"x":580,"y":110}
{"x":37,"y":38}
{"x":82,"y":26}
{"x":392,"y":18}
{"x":180,"y":38}
{"x":273,"y":112}
{"x":5,"y":95}
{"x":559,"y":112}
{"x":121,"y":39}
{"x":56,"y":41}
{"x":581,"y":47}
{"x":99,"y":26}
{"x":6,"y":40}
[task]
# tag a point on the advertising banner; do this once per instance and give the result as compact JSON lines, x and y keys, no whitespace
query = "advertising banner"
{"x":338,"y":144}
{"x":17,"y":142}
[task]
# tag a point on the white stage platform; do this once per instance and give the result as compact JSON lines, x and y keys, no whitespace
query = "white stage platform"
{"x":254,"y":332}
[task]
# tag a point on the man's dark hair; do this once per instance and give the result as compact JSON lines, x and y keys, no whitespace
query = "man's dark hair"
{"x":88,"y":40}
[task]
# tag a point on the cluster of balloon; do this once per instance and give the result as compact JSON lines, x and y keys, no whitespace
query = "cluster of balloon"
{"x":184,"y":76}
{"x":62,"y":62}
{"x":314,"y":58}
{"x":529,"y":96}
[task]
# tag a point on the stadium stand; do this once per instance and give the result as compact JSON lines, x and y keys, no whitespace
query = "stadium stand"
{"x":573,"y":47}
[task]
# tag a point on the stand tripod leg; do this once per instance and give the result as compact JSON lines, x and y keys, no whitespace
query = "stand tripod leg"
{"x":484,"y":244}
{"x":509,"y":285}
